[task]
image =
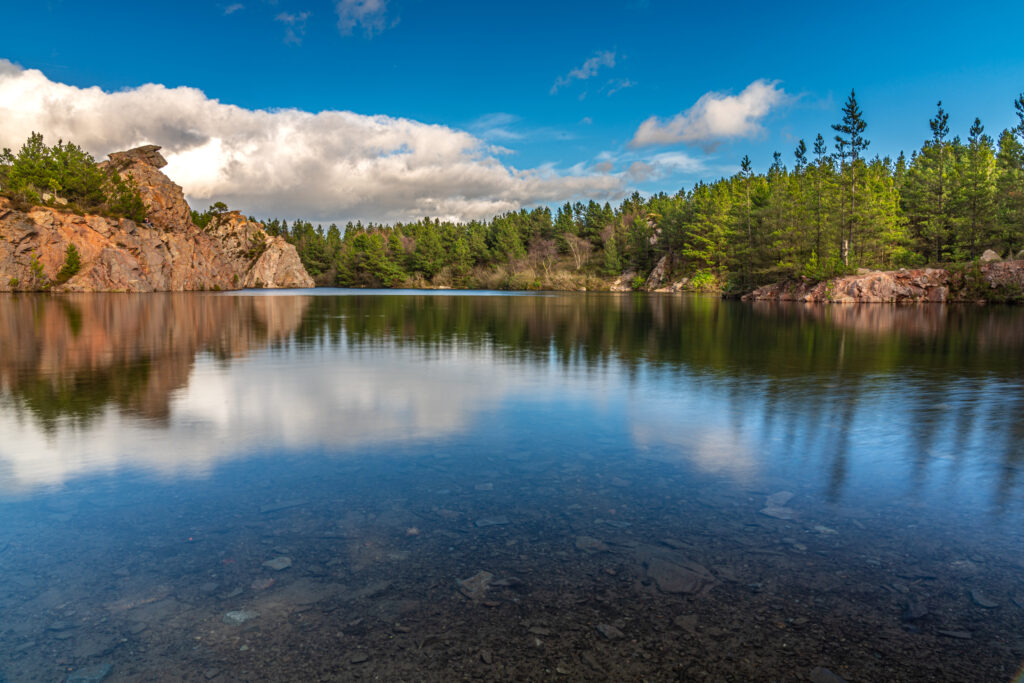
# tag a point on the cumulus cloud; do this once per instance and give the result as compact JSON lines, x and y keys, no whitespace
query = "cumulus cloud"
{"x":589,"y":69}
{"x":715,"y":116}
{"x":326,"y":166}
{"x":370,"y":15}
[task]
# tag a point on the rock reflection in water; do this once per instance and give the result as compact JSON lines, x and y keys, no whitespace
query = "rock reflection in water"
{"x":436,"y":488}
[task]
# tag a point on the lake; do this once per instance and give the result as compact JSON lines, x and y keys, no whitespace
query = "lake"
{"x":336,"y":485}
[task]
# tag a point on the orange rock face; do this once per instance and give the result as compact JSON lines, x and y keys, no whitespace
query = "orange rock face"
{"x":919,"y":285}
{"x":166,"y":253}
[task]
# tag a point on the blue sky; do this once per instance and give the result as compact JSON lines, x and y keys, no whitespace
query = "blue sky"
{"x":557,"y":89}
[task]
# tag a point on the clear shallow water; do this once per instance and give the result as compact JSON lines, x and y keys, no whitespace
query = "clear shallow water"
{"x":739,"y":491}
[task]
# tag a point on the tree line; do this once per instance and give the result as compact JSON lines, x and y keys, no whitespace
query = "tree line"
{"x":830,"y":210}
{"x":68,"y":177}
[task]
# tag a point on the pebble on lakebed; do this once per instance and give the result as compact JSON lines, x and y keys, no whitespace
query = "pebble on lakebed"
{"x":239,"y":617}
{"x":278,"y":563}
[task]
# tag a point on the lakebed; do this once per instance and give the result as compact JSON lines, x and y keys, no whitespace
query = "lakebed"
{"x":334,"y":485}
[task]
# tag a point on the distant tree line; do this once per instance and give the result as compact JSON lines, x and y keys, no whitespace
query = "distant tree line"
{"x":68,"y":177}
{"x":833,"y":210}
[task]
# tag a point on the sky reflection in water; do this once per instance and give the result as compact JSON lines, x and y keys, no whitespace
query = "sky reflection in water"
{"x":923,"y":403}
{"x":608,"y":460}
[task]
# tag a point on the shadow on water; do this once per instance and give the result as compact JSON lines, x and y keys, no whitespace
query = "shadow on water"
{"x":658,"y":487}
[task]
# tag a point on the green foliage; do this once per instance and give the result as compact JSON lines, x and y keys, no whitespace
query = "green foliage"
{"x":203,"y":219}
{"x":835,"y":211}
{"x":257,"y":245}
{"x":638,"y":282}
{"x":124,"y":198}
{"x":13,"y":283}
{"x":39,"y":278}
{"x":72,"y":264}
{"x":612,"y":262}
{"x":703,"y":281}
{"x":66,"y":176}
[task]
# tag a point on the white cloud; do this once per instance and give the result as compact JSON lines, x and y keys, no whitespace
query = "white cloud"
{"x":497,"y":126}
{"x":296,"y":24}
{"x":678,"y":161}
{"x":231,"y":9}
{"x":589,"y":69}
{"x":635,"y":169}
{"x":370,"y":15}
{"x":715,"y":116}
{"x":616,"y":84}
{"x":327,"y":166}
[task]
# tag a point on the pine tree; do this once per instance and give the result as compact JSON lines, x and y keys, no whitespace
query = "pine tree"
{"x":976,"y":192}
{"x":800,"y":154}
{"x":849,"y":144}
{"x":72,"y":264}
{"x":935,"y":157}
{"x":612,"y":262}
{"x":1010,"y":192}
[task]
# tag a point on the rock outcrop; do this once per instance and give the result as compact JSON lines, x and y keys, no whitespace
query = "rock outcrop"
{"x":657,"y":276}
{"x":167,"y":252}
{"x":995,"y":280}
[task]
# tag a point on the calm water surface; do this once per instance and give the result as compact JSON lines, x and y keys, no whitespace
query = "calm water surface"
{"x":339,"y":485}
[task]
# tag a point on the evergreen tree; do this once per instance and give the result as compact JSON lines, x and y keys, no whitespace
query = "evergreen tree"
{"x":976,"y":195}
{"x":800,"y":154}
{"x":1010,"y":192}
{"x":850,"y":142}
{"x":612,"y":262}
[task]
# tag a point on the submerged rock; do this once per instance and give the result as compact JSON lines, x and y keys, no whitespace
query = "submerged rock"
{"x":475,"y":587}
{"x":820,"y":674}
{"x":500,"y":520}
{"x":590,"y":545}
{"x":610,"y":632}
{"x":981,"y":600}
{"x":777,"y":500}
{"x":959,"y":635}
{"x":90,"y":674}
{"x":239,"y":617}
{"x":779,"y":513}
{"x":914,"y":611}
{"x":675,"y":578}
{"x":278,"y":563}
{"x":687,"y":622}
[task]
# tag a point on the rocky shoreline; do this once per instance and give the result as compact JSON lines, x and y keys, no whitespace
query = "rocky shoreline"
{"x":995,"y":281}
{"x":167,"y":252}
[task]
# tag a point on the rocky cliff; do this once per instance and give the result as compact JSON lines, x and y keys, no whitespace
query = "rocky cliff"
{"x":167,"y":252}
{"x":985,"y":281}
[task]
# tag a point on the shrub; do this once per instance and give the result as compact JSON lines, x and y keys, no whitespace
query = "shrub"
{"x":38,"y":274}
{"x":13,"y":283}
{"x":72,"y":264}
{"x":703,"y":281}
{"x":637,"y":283}
{"x":125,"y":199}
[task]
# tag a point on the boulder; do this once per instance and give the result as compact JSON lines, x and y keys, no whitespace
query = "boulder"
{"x":990,"y":256}
{"x":624,"y":282}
